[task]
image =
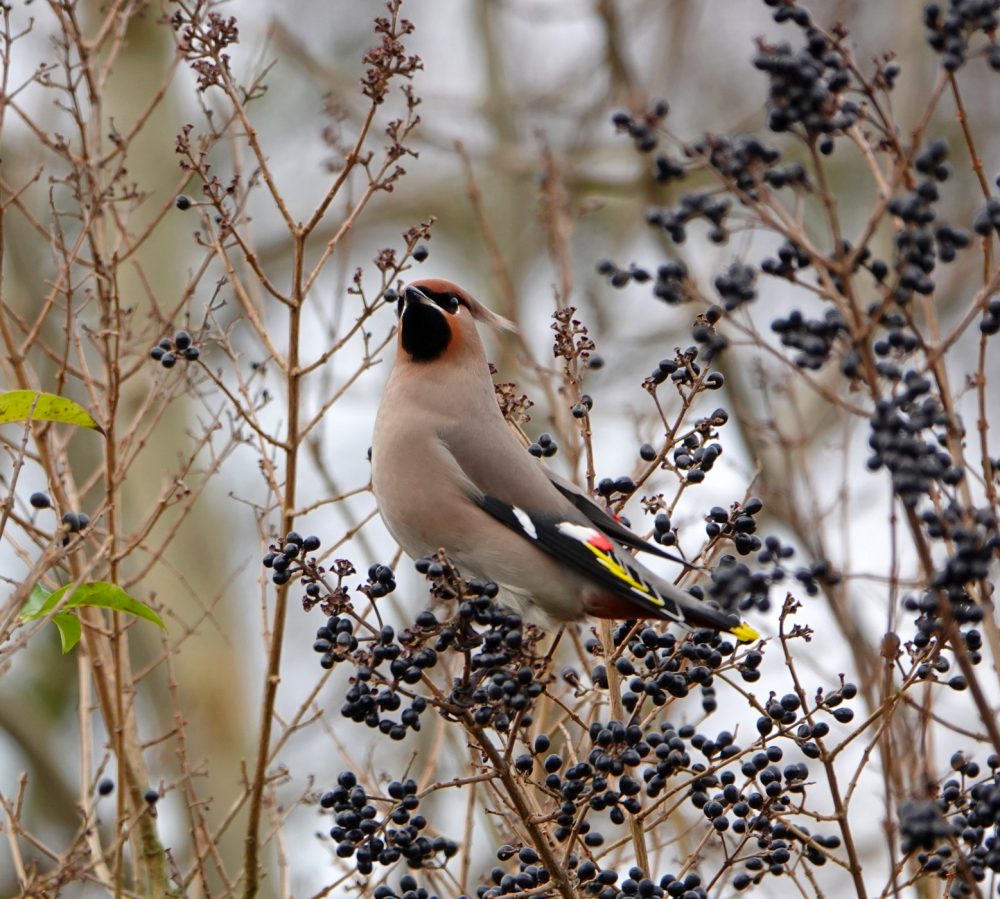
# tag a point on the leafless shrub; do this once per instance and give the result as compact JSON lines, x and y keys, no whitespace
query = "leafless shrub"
{"x":846,"y":337}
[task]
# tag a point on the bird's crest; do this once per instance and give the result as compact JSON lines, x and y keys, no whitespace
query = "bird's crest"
{"x":439,"y":287}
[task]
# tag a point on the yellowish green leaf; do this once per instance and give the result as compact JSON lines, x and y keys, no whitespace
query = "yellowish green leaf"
{"x":22,"y":405}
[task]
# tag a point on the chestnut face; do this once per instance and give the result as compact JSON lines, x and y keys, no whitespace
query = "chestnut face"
{"x":424,"y":321}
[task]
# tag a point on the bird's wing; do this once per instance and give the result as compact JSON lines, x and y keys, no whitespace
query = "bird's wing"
{"x":494,"y":461}
{"x":516,"y":490}
{"x":606,"y":523}
{"x":600,"y":559}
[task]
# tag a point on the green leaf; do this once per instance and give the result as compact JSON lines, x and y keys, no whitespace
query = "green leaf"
{"x":22,"y":405}
{"x":29,"y":611}
{"x":70,"y":629}
{"x":97,"y":594}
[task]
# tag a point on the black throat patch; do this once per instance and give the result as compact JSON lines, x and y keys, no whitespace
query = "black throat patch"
{"x":425,"y":332}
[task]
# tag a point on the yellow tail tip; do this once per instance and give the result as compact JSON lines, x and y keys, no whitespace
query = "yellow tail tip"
{"x":744,"y":633}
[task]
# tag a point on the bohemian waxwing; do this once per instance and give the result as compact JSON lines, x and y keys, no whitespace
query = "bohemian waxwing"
{"x":449,"y":473}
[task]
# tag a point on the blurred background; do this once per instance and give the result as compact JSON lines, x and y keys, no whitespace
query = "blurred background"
{"x":515,"y":145}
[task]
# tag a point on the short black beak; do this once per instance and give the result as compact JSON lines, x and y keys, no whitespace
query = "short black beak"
{"x":412,"y":295}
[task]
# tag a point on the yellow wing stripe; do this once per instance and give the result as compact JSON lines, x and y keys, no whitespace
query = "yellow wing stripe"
{"x":744,"y":633}
{"x":609,"y":562}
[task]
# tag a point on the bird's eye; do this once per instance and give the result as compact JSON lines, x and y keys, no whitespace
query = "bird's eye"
{"x":447,"y":300}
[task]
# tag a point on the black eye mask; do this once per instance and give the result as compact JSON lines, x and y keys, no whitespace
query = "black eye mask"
{"x":446,"y":300}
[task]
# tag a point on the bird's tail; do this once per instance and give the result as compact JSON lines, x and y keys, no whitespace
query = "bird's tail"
{"x":678,"y":605}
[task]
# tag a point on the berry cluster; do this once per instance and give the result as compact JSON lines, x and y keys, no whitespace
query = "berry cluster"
{"x":608,"y":488}
{"x":813,"y":338}
{"x":928,"y":625}
{"x":666,"y":169}
{"x":973,"y":543}
{"x":598,"y":785}
{"x":73,"y":522}
{"x":819,"y":573}
{"x":746,"y":161}
{"x":408,"y":889}
{"x":642,"y":128}
{"x":896,"y":342}
{"x":696,"y":455}
{"x":499,"y":684}
{"x":706,"y":205}
{"x":168,"y":351}
{"x":686,"y":373}
{"x":785,"y":711}
{"x":791,"y":259}
{"x":950,"y":30}
{"x":605,"y":884}
{"x":582,"y":408}
{"x":710,"y":343}
{"x":736,"y":285}
{"x":737,"y":523}
{"x":807,"y":86}
{"x":530,"y":875}
{"x":364,"y":702}
{"x":928,"y":634}
{"x":970,"y":557}
{"x":734,"y":586}
{"x":287,"y":558}
{"x":671,"y":284}
{"x":777,"y":843}
{"x":70,"y":522}
{"x":918,"y":246}
{"x":663,"y":531}
{"x":362,"y":833}
{"x":544,"y":446}
{"x":334,"y":639}
{"x":659,"y":666}
{"x":957,"y":835}
{"x":901,"y":444}
{"x":619,"y":277}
